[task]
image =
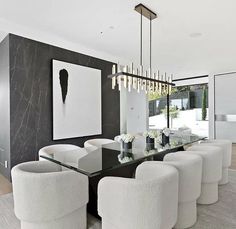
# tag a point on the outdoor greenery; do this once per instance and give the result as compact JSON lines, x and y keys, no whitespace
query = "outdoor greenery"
{"x":173,"y":111}
{"x":191,"y":87}
{"x":156,"y":95}
{"x":176,"y":90}
{"x":204,"y":108}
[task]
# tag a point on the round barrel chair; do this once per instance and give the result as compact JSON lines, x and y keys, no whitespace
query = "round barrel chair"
{"x":226,"y":146}
{"x":211,"y":171}
{"x":48,"y":151}
{"x":46,"y":197}
{"x":96,"y":143}
{"x":149,"y":201}
{"x":71,"y":158}
{"x":189,"y":167}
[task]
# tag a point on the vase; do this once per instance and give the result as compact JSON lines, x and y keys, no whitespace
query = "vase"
{"x":165,"y":139}
{"x":124,"y":154}
{"x":127,"y":146}
{"x":150,"y":140}
{"x":150,"y":143}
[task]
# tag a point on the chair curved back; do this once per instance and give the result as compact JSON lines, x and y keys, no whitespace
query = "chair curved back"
{"x":49,"y":151}
{"x":43,"y":193}
{"x":71,"y":157}
{"x":189,"y":167}
{"x":211,"y":161}
{"x":97,"y":143}
{"x":148,"y":201}
{"x":226,"y":146}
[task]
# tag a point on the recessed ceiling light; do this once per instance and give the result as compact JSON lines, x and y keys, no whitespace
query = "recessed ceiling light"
{"x":195,"y":35}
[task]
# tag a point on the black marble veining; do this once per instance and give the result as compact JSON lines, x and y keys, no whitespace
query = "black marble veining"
{"x":31,"y":96}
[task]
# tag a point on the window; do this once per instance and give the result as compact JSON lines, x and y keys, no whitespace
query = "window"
{"x":188,"y":109}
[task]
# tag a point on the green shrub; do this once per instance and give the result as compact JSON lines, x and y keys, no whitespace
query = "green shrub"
{"x":204,"y":108}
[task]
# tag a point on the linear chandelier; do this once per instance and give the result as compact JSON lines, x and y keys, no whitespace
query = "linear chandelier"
{"x":139,"y":79}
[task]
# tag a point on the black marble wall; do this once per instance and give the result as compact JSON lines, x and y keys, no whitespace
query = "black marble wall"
{"x":4,"y":108}
{"x":31,"y":97}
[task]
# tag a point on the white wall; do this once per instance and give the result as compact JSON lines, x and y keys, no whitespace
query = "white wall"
{"x":134,"y":111}
{"x":211,"y":106}
{"x":137,"y":112}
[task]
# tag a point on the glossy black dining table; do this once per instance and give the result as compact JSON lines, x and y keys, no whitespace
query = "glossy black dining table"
{"x":111,"y":160}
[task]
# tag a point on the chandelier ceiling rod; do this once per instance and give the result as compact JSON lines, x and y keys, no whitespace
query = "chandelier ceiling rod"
{"x":141,"y":33}
{"x":150,"y":43}
{"x":141,"y":38}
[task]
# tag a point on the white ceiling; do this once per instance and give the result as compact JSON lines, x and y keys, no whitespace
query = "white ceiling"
{"x":177,"y":46}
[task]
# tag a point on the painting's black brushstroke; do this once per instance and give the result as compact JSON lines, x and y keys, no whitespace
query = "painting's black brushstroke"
{"x":64,"y":83}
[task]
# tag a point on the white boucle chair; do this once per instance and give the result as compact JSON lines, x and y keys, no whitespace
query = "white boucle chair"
{"x":117,"y":138}
{"x":70,"y":157}
{"x":47,"y":198}
{"x":189,"y":167}
{"x":48,"y":151}
{"x":211,"y":171}
{"x":226,"y":146}
{"x":149,"y":201}
{"x":97,"y":143}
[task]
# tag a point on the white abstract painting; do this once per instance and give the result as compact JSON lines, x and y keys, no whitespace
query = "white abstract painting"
{"x":76,"y":101}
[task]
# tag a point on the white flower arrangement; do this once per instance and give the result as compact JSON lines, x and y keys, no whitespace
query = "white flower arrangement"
{"x":124,"y":159}
{"x":174,"y":143}
{"x":159,"y":138}
{"x":126,"y":138}
{"x":166,"y":132}
{"x":151,"y":134}
{"x":167,"y":146}
{"x":149,"y":152}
